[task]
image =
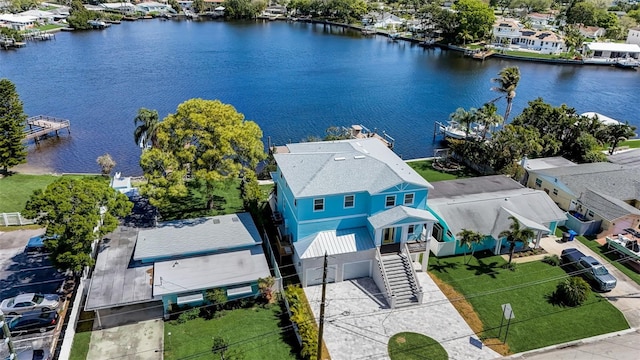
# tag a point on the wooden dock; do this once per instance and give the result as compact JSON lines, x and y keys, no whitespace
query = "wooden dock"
{"x":41,"y":126}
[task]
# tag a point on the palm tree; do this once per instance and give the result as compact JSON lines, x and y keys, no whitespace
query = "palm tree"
{"x":616,"y":133}
{"x":488,"y":117}
{"x":507,"y":81}
{"x":464,"y":118}
{"x":145,"y":133}
{"x":516,"y":234}
{"x":470,"y":238}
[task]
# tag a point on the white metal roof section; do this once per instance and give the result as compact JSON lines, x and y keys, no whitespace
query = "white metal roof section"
{"x":208,"y":272}
{"x":334,"y":242}
{"x":547,"y":163}
{"x":617,"y":47}
{"x":399,"y":214}
{"x":194,"y":236}
{"x":336,"y":167}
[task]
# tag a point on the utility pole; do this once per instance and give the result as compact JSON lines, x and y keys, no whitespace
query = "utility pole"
{"x":322,"y":302}
{"x":7,"y":336}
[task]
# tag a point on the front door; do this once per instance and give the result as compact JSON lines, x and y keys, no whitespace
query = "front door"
{"x":388,"y":236}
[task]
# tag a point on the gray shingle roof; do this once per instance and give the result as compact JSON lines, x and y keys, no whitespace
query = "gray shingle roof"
{"x":397,"y":214}
{"x":477,"y":185}
{"x":197,"y":236}
{"x":606,"y":178}
{"x":628,"y":158}
{"x":336,"y":167}
{"x":548,"y":163}
{"x":488,"y":212}
{"x":607,"y":207}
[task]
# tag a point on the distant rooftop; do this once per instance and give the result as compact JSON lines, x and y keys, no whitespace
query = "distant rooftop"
{"x":629,"y":158}
{"x":476,"y":185}
{"x":547,"y":163}
{"x":182,"y":238}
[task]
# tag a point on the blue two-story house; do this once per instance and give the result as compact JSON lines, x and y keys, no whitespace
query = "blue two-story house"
{"x":358,"y":202}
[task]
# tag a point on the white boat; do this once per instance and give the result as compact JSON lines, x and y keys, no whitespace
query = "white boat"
{"x":455,"y":130}
{"x":626,"y":245}
{"x":627,"y":63}
{"x":605,"y":120}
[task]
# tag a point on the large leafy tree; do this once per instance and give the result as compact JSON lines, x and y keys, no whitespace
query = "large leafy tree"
{"x":205,"y":141}
{"x":12,"y":122}
{"x":79,"y":16}
{"x":243,"y":9}
{"x":516,"y":234}
{"x":147,"y":122}
{"x":475,"y":18}
{"x":507,"y":82}
{"x":73,"y":209}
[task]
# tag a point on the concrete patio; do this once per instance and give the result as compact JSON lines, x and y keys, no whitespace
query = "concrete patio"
{"x":356,"y":313}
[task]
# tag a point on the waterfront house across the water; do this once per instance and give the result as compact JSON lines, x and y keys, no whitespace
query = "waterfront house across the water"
{"x":612,"y":51}
{"x":633,"y":36}
{"x":510,"y":33}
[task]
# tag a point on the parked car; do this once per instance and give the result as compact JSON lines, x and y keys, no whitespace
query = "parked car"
{"x":32,"y":322}
{"x":36,"y":243}
{"x":32,"y":354}
{"x":591,"y":268}
{"x":28,"y":302}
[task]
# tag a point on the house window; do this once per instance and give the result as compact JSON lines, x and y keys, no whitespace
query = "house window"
{"x":411,"y":230}
{"x":538,"y":182}
{"x":295,"y":202}
{"x":590,"y":213}
{"x":390,"y":201}
{"x":408,"y":199}
{"x":318,"y":204}
{"x":349,"y":201}
{"x":555,"y":191}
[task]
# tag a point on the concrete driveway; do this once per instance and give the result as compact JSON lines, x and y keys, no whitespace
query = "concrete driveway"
{"x":358,"y":322}
{"x":132,"y":332}
{"x":626,"y":295}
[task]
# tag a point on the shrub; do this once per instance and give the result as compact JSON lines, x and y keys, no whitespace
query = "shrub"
{"x":552,"y":260}
{"x":573,"y":291}
{"x":301,"y":315}
{"x":190,"y":314}
{"x":510,"y":266}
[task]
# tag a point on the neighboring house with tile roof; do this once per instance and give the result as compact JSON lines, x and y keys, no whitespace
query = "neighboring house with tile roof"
{"x":592,"y":32}
{"x":355,"y":200}
{"x":486,"y":204}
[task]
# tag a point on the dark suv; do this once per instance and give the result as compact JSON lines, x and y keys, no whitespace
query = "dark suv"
{"x":32,"y":322}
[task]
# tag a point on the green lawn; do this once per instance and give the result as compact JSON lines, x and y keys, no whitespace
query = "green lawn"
{"x":414,"y":346}
{"x":538,"y":322}
{"x":16,"y":189}
{"x":49,"y":27}
{"x":530,"y":54}
{"x":635,"y":143}
{"x":82,"y":338}
{"x":426,"y":170}
{"x":255,"y":332}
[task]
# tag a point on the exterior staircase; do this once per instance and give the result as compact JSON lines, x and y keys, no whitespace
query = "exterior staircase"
{"x":401,"y":280}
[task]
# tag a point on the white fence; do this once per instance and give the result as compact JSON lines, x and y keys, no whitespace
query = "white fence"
{"x":14,"y":219}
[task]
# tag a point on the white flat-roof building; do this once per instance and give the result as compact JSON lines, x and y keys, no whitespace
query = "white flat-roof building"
{"x":633,"y":36}
{"x":17,"y":22}
{"x":613,"y":50}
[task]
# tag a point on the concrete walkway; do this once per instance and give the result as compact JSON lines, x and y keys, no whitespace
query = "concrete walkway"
{"x":358,"y":322}
{"x":140,"y":341}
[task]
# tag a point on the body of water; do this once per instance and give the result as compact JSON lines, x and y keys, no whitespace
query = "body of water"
{"x":294,"y":79}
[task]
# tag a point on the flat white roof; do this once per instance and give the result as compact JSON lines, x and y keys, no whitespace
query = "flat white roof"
{"x":208,"y":272}
{"x":603,"y":119}
{"x":617,"y":47}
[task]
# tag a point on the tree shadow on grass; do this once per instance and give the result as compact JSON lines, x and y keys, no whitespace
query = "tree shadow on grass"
{"x":483,"y":268}
{"x":443,"y":266}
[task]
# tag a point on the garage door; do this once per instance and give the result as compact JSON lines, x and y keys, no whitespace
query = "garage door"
{"x":356,"y":270}
{"x":314,"y":276}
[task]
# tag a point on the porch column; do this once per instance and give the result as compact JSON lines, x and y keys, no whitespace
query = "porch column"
{"x":98,"y":318}
{"x":538,"y":238}
{"x":425,"y":254}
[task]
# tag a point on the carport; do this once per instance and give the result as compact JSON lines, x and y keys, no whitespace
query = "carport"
{"x":118,"y":281}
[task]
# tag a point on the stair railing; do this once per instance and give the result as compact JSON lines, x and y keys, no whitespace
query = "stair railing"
{"x":390,"y":296}
{"x":405,"y":250}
